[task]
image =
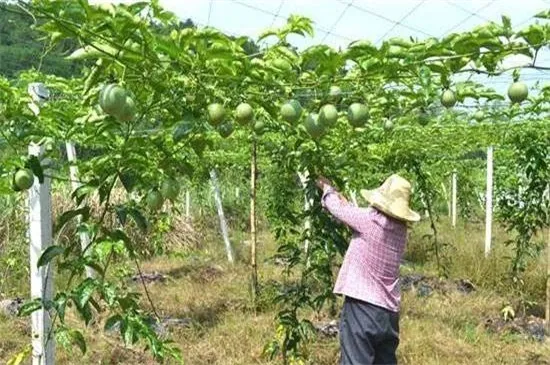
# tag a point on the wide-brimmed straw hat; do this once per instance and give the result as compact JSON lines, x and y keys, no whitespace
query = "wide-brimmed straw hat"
{"x":392,"y":198}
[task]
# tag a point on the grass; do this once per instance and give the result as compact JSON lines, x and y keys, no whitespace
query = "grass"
{"x":202,"y":286}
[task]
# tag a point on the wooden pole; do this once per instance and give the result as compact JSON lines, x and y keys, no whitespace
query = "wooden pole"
{"x":75,"y":183}
{"x":449,"y":213}
{"x":489,"y":202}
{"x":223,"y":222}
{"x":187,"y":203}
{"x":307,"y":204}
{"x":253,"y":237}
{"x":40,"y":234}
{"x":548,"y":283}
{"x":453,"y":202}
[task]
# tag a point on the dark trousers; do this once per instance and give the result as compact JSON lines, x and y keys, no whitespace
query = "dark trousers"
{"x":369,"y":334}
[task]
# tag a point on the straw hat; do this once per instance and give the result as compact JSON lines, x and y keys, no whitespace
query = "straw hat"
{"x":392,"y":198}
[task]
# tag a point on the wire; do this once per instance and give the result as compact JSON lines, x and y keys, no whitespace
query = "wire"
{"x":277,"y":14}
{"x":337,"y":20}
{"x":400,"y":21}
{"x":471,"y":15}
{"x":209,"y":11}
{"x":367,"y":11}
{"x":468,"y":11}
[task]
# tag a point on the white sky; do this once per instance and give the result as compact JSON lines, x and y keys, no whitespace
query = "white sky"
{"x":338,"y":22}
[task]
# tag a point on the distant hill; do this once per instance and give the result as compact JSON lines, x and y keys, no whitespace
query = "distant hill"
{"x":21,"y":49}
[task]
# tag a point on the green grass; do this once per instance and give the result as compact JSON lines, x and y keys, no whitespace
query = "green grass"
{"x":202,"y":286}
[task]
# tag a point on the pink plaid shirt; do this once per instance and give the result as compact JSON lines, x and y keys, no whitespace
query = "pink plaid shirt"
{"x":370,"y":271}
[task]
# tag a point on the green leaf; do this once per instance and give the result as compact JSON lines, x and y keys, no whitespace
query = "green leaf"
{"x":361,"y":49}
{"x":267,"y":33}
{"x":121,"y":213}
{"x":18,"y":358}
{"x":71,"y":214}
{"x":112,"y":322}
{"x":506,"y":22}
{"x":127,"y":332}
{"x":78,"y":339}
{"x":29,"y":307}
{"x":543,"y":14}
{"x":105,"y":189}
{"x":60,"y":303}
{"x":83,"y":191}
{"x":84,"y":291}
{"x":182,"y":130}
{"x":94,"y":265}
{"x":48,"y":255}
{"x":534,"y":35}
{"x":138,"y":218}
{"x":86,"y":313}
{"x":94,"y":51}
{"x":128,"y":179}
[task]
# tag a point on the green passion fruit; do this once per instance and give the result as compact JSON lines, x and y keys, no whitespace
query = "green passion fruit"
{"x":225,"y":130}
{"x":479,"y":115}
{"x":314,"y":126}
{"x":291,"y":111}
{"x":358,"y":115}
{"x":518,"y":92}
{"x":448,"y":98}
{"x":112,"y":99}
{"x":154,"y":200}
{"x":328,"y":115}
{"x":259,"y":127}
{"x":23,"y":179}
{"x":388,"y":125}
{"x":281,"y":64}
{"x":335,"y":93}
{"x":244,"y":113}
{"x":128,"y":111}
{"x":170,"y":189}
{"x":216,"y":114}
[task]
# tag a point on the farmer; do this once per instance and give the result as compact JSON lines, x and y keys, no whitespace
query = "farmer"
{"x":369,"y":276}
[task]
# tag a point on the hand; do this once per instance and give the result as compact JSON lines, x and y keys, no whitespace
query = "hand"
{"x":322,"y":181}
{"x":342,"y":198}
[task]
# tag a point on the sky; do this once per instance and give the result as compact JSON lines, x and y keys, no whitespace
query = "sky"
{"x":339,"y":22}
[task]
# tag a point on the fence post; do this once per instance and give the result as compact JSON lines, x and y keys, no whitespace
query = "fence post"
{"x":253,"y":235}
{"x":489,"y":202}
{"x":75,"y":183}
{"x":223,"y":222}
{"x":446,"y":195}
{"x":187,"y":203}
{"x":453,"y":203}
{"x":40,"y":238}
{"x":307,"y":206}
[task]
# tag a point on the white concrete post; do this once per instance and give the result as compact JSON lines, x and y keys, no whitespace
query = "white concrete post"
{"x":449,"y":213}
{"x":75,"y":183}
{"x":489,"y":202}
{"x":453,"y":202}
{"x":307,"y":205}
{"x":40,"y":234}
{"x":187,"y":203}
{"x":223,"y":222}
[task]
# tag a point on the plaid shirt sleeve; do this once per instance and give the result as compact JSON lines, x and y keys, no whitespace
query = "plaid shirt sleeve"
{"x":347,"y":213}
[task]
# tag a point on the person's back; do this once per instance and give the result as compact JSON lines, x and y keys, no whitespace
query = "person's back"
{"x":369,"y":276}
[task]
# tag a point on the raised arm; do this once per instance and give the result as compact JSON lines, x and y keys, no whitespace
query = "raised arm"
{"x":354,"y":217}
